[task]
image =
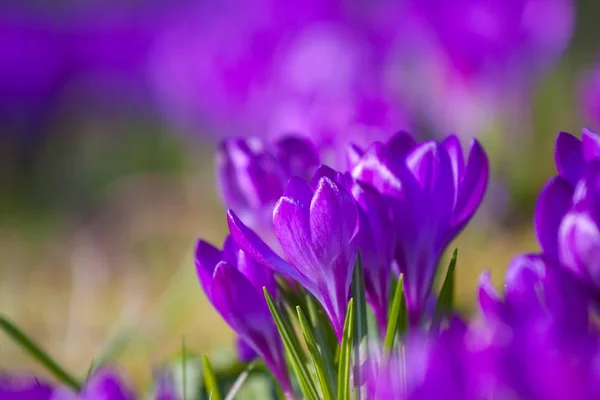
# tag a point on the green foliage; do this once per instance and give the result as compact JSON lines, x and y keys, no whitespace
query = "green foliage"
{"x":445,"y":301}
{"x":210,"y":381}
{"x":344,"y":389}
{"x":20,"y":338}
{"x":398,"y":317}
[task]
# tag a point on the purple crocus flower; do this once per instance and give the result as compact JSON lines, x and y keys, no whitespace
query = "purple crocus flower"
{"x":540,"y":344}
{"x":252,"y":174}
{"x":571,"y":156}
{"x":104,"y":384}
{"x":316,"y":227}
{"x":434,"y":193}
{"x":24,"y":388}
{"x":567,"y":223}
{"x":233,"y":283}
{"x":375,"y":239}
{"x":579,"y":231}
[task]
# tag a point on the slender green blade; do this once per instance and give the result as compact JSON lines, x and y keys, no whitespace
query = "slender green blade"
{"x":184,"y":367}
{"x":210,"y":380}
{"x":322,"y":327}
{"x":344,"y":389}
{"x":446,"y":298}
{"x":305,"y":380}
{"x":316,"y":356}
{"x":19,"y":337}
{"x":237,"y":385}
{"x":397,"y":315}
{"x":360,"y":318}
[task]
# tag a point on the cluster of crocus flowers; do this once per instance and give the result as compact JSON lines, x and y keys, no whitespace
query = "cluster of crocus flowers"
{"x":398,"y":205}
{"x":350,"y":259}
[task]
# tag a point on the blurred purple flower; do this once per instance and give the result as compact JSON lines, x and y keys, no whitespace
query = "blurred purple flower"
{"x":566,"y":218}
{"x":430,"y":367}
{"x":539,"y":342}
{"x":104,"y":384}
{"x":434,"y":193}
{"x":24,"y":388}
{"x":316,"y":227}
{"x":477,"y":58}
{"x":165,"y":386}
{"x":579,"y":231}
{"x":233,"y":283}
{"x":252,"y":174}
{"x":267,"y":68}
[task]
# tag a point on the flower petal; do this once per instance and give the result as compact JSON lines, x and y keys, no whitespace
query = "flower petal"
{"x":590,"y":144}
{"x":245,"y":310}
{"x":579,"y":246}
{"x":24,"y":388}
{"x":489,"y":301}
{"x":106,"y":384}
{"x":353,"y":155}
{"x":454,"y":149}
{"x":552,"y":205}
{"x":244,"y":351}
{"x":333,"y":226}
{"x":298,"y":155}
{"x":472,"y":185}
{"x":206,"y":258}
{"x":376,"y":240}
{"x":377,"y":169}
{"x":569,"y":157}
{"x":256,"y":248}
{"x":292,"y":228}
{"x":400,"y":145}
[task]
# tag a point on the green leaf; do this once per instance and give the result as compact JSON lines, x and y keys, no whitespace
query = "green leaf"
{"x":19,"y":337}
{"x":446,"y":299}
{"x":210,"y":381}
{"x":360,"y":316}
{"x":237,"y":385}
{"x":322,"y":374}
{"x":324,"y":330}
{"x":397,"y":321}
{"x":344,"y":389}
{"x":291,"y":344}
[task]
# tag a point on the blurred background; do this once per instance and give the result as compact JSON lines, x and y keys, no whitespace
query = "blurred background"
{"x":110,"y":112}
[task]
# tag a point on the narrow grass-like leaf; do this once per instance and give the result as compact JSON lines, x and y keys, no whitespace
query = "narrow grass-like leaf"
{"x":344,"y":388}
{"x":446,"y":299}
{"x":322,"y":327}
{"x":316,"y":356}
{"x":210,"y":380}
{"x":19,"y":337}
{"x":396,"y":312}
{"x":360,"y":318}
{"x":237,"y":385}
{"x":305,"y":380}
{"x":184,"y":367}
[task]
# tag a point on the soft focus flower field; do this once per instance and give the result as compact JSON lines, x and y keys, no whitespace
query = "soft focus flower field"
{"x":277,"y":188}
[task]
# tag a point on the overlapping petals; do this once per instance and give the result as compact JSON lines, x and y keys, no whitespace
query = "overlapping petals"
{"x":434,"y":193}
{"x":234,"y":283}
{"x":316,"y":229}
{"x":252,"y":174}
